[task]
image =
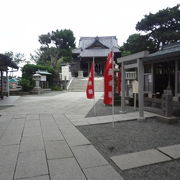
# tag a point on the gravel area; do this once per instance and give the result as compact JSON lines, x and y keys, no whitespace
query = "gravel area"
{"x":133,"y":136}
{"x":104,"y":110}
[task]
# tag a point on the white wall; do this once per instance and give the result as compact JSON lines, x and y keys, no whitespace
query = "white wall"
{"x":65,"y":73}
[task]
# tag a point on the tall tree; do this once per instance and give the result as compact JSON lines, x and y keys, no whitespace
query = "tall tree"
{"x":136,"y":43}
{"x":18,"y":58}
{"x":162,"y":27}
{"x":55,"y":47}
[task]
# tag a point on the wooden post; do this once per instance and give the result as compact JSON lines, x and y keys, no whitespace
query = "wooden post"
{"x":176,"y":77}
{"x":141,"y":88}
{"x":122,"y":88}
{"x":1,"y":84}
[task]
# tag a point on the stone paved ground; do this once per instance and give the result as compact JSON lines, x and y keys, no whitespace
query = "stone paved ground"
{"x":39,"y":142}
{"x":134,"y":136}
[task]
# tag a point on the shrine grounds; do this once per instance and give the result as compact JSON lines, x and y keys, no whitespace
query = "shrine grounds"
{"x":56,"y":136}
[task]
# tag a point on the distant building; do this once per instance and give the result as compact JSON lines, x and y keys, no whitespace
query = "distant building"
{"x":13,"y":83}
{"x":5,"y":62}
{"x":93,"y":47}
{"x":65,"y":74}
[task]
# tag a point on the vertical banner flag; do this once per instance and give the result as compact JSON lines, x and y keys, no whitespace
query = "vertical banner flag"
{"x":108,"y":79}
{"x":90,"y":84}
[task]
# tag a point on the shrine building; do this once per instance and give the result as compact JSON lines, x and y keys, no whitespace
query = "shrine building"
{"x":90,"y":48}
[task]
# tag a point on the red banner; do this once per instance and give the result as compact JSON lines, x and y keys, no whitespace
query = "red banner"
{"x":90,"y":84}
{"x":108,"y":75}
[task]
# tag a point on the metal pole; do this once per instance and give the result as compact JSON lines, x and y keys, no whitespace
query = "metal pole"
{"x":94,"y":87}
{"x":113,"y":90}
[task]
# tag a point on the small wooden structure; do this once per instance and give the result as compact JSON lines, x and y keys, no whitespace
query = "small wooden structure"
{"x":44,"y":84}
{"x":5,"y":62}
{"x":157,"y":72}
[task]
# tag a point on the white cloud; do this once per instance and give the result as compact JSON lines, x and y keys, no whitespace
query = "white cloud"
{"x":22,"y":21}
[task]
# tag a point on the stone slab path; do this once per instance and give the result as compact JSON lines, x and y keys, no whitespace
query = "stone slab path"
{"x":138,"y":159}
{"x":39,"y":140}
{"x":148,"y":157}
{"x":47,"y":146}
{"x":172,"y":151}
{"x":80,"y":120}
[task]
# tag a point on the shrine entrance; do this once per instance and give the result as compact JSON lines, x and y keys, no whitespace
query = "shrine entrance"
{"x":99,"y":69}
{"x":164,"y":73}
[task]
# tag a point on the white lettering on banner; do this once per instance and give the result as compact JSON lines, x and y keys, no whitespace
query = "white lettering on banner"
{"x":90,"y":83}
{"x":90,"y":74}
{"x":110,"y":72}
{"x":90,"y":91}
{"x":110,"y":83}
{"x":110,"y":94}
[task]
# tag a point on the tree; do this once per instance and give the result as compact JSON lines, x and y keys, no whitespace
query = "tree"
{"x":18,"y":58}
{"x":55,"y":48}
{"x":162,"y":27}
{"x":28,"y":70}
{"x":136,"y":43}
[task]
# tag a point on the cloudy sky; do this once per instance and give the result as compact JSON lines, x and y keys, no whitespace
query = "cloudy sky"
{"x":22,"y":21}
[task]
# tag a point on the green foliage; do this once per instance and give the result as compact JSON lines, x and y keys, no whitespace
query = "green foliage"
{"x":56,"y":88}
{"x":124,"y":52}
{"x":136,"y":43}
{"x":27,"y":75}
{"x":63,"y":39}
{"x":55,"y":46}
{"x":16,"y":57}
{"x":26,"y":84}
{"x":162,"y":27}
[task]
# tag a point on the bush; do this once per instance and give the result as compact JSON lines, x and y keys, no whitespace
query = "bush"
{"x":56,"y":88}
{"x":26,"y":84}
{"x":28,"y":70}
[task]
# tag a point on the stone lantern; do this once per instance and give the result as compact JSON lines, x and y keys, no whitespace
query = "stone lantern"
{"x":37,"y":78}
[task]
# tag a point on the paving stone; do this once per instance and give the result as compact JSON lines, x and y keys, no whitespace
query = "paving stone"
{"x":37,"y":178}
{"x":172,"y":151}
{"x":88,"y":156}
{"x":138,"y":159}
{"x":48,"y":124}
{"x":52,"y":134}
{"x":102,"y":173}
{"x":73,"y":136}
{"x":80,"y":123}
{"x":8,"y":156}
{"x":32,"y":117}
{"x":32,"y":163}
{"x":65,"y":169}
{"x":32,"y":124}
{"x":32,"y":143}
{"x":57,"y":149}
{"x":10,"y":139}
{"x":19,"y":116}
{"x":36,"y":131}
